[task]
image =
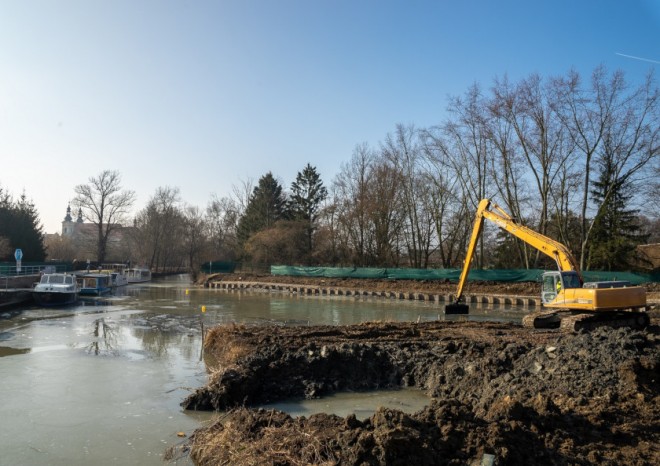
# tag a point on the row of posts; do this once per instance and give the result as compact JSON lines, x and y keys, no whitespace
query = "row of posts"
{"x":525,"y":301}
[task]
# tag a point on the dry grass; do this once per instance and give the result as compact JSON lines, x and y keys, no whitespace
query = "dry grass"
{"x":225,"y":345}
{"x":242,"y":439}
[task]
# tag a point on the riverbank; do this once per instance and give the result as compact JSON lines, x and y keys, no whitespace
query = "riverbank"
{"x":529,"y":292}
{"x":526,"y":397}
{"x":497,"y":392}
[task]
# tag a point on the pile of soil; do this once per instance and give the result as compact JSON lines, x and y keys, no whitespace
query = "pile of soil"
{"x":502,"y":394}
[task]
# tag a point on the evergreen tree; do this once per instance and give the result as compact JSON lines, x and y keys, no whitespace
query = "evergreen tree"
{"x":616,"y":231}
{"x":266,"y":206}
{"x":20,"y":227}
{"x":307,"y":194}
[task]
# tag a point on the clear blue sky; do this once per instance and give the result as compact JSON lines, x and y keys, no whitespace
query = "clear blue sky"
{"x":201,"y":95}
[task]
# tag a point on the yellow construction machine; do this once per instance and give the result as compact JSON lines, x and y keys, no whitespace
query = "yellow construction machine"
{"x":572,"y":304}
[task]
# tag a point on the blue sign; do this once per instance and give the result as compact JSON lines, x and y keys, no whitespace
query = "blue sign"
{"x":18,"y":255}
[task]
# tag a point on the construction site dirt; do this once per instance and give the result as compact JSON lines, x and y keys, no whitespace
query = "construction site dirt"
{"x":498,"y":394}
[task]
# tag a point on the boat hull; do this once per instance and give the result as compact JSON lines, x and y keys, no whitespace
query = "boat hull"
{"x":54,"y":298}
{"x":95,"y":291}
{"x":138,"y":275}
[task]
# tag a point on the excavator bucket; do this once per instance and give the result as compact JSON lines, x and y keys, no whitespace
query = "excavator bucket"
{"x":457,"y":308}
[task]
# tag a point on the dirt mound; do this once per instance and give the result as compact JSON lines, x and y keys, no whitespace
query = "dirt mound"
{"x":525,"y":397}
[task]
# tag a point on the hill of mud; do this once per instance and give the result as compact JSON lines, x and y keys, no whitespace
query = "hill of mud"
{"x":501,"y":394}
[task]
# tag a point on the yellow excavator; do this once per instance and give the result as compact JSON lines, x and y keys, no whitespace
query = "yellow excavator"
{"x":572,"y":304}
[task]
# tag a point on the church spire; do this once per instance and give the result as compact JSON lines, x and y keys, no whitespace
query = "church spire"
{"x":68,"y":214}
{"x":80,"y":219}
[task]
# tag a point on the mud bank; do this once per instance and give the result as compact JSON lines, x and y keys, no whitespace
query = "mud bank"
{"x":501,"y":393}
{"x":516,"y":293}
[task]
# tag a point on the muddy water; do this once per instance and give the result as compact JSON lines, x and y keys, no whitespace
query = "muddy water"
{"x":101,"y":382}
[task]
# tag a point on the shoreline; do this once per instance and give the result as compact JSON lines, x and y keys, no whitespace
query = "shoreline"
{"x":524,"y":294}
{"x":317,"y":290}
{"x":491,"y":384}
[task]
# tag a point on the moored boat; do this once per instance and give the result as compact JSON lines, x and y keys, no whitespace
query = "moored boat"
{"x":95,"y":284}
{"x":118,"y":279}
{"x":56,"y":289}
{"x":138,"y":275}
{"x":118,"y":274}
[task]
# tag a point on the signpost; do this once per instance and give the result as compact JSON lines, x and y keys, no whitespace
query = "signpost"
{"x":18,"y":255}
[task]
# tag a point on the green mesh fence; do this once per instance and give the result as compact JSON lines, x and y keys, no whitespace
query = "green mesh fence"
{"x":513,"y":275}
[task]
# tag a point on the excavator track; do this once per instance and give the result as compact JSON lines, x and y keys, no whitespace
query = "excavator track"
{"x":543,"y":319}
{"x":590,"y":321}
{"x":568,"y":321}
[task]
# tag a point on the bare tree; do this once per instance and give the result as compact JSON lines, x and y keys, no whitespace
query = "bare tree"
{"x":241,"y":195}
{"x":654,"y":190}
{"x":156,"y":225}
{"x":542,"y":143}
{"x":222,"y":216}
{"x":463,"y":147}
{"x":59,"y":247}
{"x":105,"y":204}
{"x":351,"y":189}
{"x":404,"y":151}
{"x":194,"y":237}
{"x":606,"y":121}
{"x":384,"y":214}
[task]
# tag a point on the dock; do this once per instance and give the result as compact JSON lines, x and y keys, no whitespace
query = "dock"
{"x":16,"y":291}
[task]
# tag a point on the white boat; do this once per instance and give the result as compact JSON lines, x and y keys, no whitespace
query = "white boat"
{"x":119,"y":279}
{"x":56,"y":289}
{"x":118,"y":274}
{"x":138,"y":275}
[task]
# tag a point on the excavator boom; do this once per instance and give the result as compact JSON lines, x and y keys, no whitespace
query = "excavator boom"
{"x":548,"y":246}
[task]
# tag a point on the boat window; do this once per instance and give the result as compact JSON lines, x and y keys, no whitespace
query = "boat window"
{"x":68,"y":280}
{"x":56,"y":279}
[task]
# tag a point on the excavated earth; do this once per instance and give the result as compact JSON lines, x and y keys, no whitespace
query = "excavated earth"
{"x":499,"y":394}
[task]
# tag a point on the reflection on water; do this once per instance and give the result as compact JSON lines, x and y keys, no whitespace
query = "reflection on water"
{"x":8,"y":351}
{"x":101,"y":382}
{"x":105,"y":338}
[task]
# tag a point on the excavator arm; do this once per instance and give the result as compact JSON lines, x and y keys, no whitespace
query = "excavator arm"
{"x":548,"y":246}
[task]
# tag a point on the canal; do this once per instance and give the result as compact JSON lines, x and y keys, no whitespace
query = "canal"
{"x":101,"y":382}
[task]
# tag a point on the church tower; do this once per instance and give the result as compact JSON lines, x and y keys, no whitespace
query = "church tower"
{"x":67,"y":224}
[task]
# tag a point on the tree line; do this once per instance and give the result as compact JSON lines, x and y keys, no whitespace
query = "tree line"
{"x":20,"y":228}
{"x":574,"y":159}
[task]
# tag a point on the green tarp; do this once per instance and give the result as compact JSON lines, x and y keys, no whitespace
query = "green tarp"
{"x":514,"y":275}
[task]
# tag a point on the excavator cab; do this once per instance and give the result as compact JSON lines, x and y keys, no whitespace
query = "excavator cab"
{"x":554,"y":282}
{"x":550,"y":287}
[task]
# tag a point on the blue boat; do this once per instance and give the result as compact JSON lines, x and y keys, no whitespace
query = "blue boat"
{"x":95,"y":284}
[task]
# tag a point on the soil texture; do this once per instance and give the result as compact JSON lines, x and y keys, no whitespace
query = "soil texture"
{"x":500,"y":394}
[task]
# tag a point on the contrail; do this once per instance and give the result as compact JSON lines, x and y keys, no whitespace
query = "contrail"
{"x":638,"y":58}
